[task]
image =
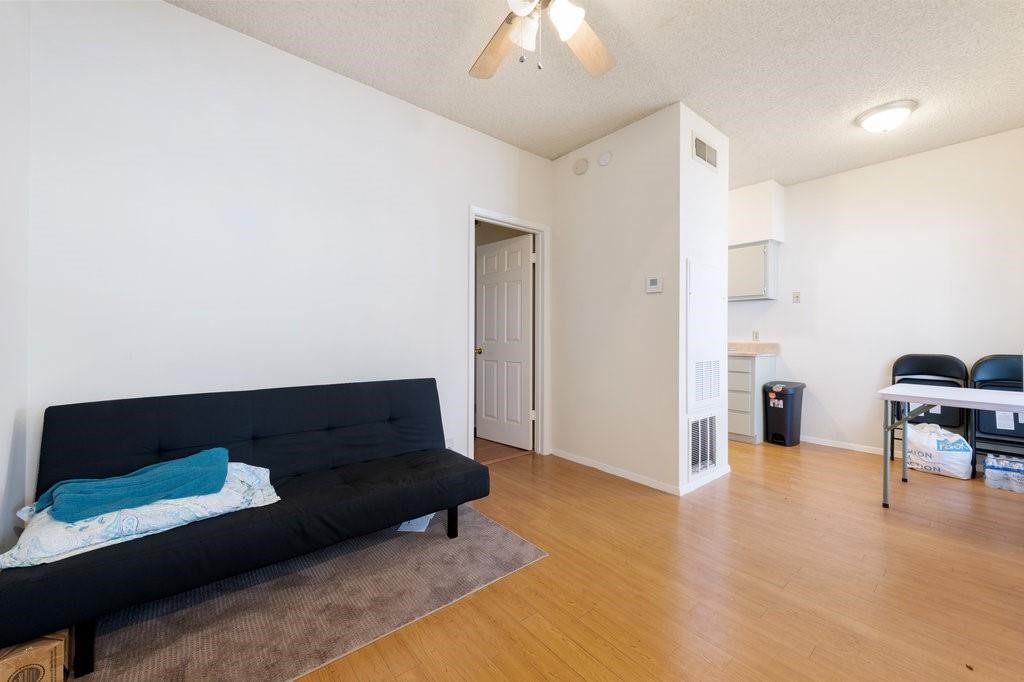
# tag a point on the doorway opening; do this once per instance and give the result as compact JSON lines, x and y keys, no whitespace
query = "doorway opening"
{"x":505,"y":321}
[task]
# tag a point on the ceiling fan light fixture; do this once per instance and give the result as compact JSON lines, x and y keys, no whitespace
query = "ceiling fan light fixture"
{"x":887,"y":117}
{"x":566,"y":17}
{"x":521,"y":8}
{"x":525,"y":34}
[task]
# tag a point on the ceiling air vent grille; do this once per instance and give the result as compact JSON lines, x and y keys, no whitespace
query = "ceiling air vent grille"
{"x":705,"y":152}
{"x":707,"y":380}
{"x":703,"y":444}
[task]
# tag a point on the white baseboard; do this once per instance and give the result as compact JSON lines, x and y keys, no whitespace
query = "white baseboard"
{"x":616,"y":471}
{"x":979,"y":464}
{"x":693,"y":485}
{"x":870,"y":449}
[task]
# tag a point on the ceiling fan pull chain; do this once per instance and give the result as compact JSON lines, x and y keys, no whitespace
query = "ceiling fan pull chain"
{"x":540,"y":42}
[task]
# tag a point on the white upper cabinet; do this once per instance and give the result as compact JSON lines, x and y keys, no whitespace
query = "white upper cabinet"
{"x":754,"y":271}
{"x":756,"y":217}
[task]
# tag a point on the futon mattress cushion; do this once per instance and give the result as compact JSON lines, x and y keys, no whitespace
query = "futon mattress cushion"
{"x":316,"y":510}
{"x":47,"y":539}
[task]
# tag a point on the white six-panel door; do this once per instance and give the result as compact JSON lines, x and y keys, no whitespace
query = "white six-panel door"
{"x":504,"y":341}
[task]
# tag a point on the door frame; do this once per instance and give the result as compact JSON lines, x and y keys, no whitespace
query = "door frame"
{"x":540,"y":323}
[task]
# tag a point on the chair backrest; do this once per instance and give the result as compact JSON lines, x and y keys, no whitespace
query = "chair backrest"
{"x":1000,"y":373}
{"x":930,"y":365}
{"x":934,"y":370}
{"x":288,"y":430}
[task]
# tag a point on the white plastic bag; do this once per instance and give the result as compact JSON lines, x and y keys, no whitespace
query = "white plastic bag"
{"x":1004,"y":472}
{"x":933,"y":449}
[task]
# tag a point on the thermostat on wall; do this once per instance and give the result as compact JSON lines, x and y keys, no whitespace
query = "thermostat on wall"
{"x":654,"y":284}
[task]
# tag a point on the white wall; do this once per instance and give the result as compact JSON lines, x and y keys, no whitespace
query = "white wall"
{"x":203,"y":206}
{"x":703,"y":242}
{"x":918,"y":255}
{"x":211,"y":213}
{"x":619,"y":354}
{"x":615,"y":353}
{"x":14,"y":162}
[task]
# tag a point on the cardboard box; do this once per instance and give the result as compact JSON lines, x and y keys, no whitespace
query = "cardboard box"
{"x":64,"y":636}
{"x":41,"y":660}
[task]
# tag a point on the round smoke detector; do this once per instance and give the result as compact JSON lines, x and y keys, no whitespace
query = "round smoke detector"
{"x":580,"y":167}
{"x":604,"y":159}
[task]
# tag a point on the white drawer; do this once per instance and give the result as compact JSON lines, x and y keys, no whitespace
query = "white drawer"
{"x":740,"y":363}
{"x":741,"y":401}
{"x":738,"y":381}
{"x":741,"y":423}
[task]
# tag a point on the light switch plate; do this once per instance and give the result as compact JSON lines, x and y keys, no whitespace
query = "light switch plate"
{"x":796,"y":297}
{"x":654,"y":284}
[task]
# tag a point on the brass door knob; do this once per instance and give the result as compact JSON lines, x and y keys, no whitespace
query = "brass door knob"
{"x":478,"y":350}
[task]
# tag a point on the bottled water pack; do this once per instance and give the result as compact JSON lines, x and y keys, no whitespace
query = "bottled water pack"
{"x":1004,"y":472}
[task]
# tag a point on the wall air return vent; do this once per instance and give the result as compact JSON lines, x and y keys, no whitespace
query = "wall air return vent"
{"x":703,"y":444}
{"x":707,"y":380}
{"x":705,"y":152}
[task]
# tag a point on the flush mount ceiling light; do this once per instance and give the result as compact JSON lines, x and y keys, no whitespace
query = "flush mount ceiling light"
{"x":887,"y":117}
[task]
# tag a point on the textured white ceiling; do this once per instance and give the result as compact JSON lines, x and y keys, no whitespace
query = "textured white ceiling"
{"x":783,"y":78}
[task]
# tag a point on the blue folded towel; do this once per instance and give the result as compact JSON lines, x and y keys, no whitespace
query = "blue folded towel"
{"x":200,"y":474}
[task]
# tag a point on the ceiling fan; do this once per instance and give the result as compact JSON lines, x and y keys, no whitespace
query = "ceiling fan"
{"x":522,"y":26}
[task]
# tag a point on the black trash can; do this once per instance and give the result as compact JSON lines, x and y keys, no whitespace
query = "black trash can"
{"x":783,"y":401}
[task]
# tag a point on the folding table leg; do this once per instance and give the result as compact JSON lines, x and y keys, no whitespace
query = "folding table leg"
{"x":886,"y":450}
{"x":906,"y":428}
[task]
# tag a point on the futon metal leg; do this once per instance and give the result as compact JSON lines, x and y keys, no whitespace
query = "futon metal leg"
{"x":886,"y":452}
{"x":453,"y":522}
{"x":83,"y":643}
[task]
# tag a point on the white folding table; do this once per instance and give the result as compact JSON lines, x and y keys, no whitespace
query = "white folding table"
{"x":927,"y":397}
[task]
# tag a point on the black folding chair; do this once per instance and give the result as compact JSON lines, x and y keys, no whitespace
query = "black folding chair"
{"x":933,"y":370}
{"x":1000,"y":373}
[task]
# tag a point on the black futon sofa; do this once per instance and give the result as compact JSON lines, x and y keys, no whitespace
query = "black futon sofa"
{"x":346,"y":460}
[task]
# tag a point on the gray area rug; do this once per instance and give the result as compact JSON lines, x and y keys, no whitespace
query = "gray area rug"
{"x":288,"y":619}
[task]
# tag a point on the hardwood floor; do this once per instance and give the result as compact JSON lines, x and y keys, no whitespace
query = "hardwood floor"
{"x":489,"y":452}
{"x":786,"y":569}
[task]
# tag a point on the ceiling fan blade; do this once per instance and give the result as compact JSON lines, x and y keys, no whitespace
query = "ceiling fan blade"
{"x":486,"y":65}
{"x":591,"y":52}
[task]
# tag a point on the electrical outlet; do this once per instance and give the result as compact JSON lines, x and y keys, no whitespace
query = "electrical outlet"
{"x":756,"y":335}
{"x":796,"y":297}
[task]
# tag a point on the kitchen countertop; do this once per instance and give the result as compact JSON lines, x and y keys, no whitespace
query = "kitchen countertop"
{"x":753,"y":348}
